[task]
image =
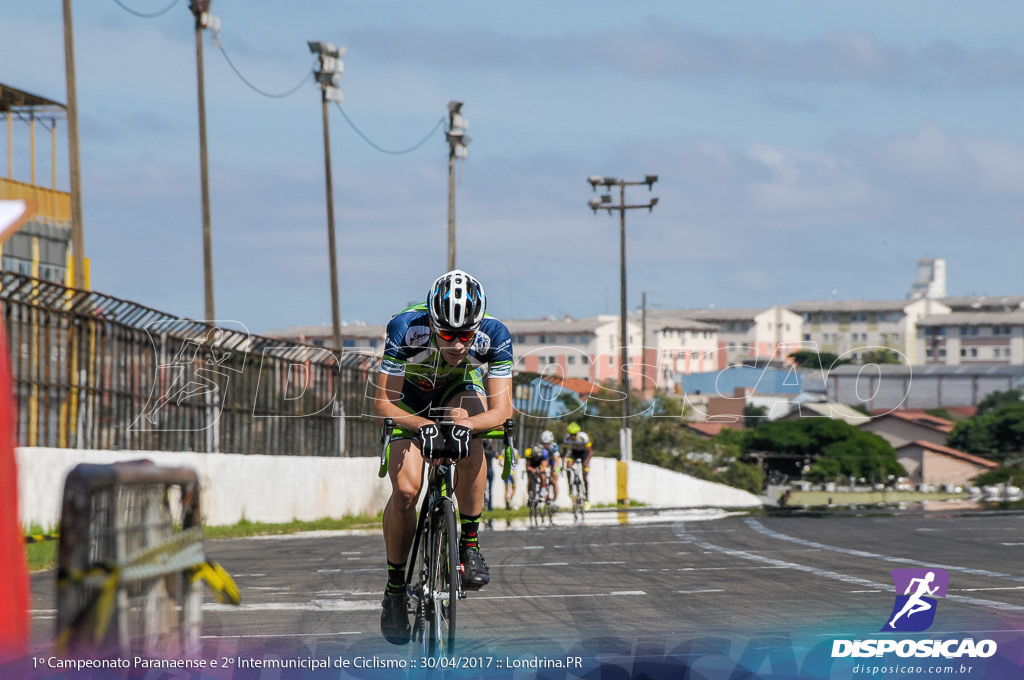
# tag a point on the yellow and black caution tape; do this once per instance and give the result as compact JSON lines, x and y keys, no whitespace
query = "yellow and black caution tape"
{"x":220,"y":582}
{"x":182,"y":552}
{"x":41,"y":538}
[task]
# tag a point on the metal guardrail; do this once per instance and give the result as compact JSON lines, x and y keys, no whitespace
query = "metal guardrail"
{"x":93,"y":371}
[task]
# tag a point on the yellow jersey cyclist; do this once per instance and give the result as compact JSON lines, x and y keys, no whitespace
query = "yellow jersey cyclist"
{"x":434,"y":356}
{"x":579,"y":449}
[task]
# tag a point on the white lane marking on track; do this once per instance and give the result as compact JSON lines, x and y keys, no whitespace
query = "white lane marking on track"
{"x":691,"y":592}
{"x":287,"y":635}
{"x":764,"y":566}
{"x":545,"y":597}
{"x":312,"y":605}
{"x":679,"y":530}
{"x":535,"y":564}
{"x":760,"y":528}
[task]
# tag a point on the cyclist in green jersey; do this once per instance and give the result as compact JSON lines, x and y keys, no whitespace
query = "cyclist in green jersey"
{"x":434,"y":356}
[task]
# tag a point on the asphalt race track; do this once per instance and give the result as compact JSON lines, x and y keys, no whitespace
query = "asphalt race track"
{"x":683,"y":587}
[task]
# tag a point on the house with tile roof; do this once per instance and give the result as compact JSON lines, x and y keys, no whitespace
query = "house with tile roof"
{"x":903,"y":426}
{"x":930,"y":463}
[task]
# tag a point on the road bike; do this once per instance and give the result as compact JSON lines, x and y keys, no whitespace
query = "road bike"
{"x":538,"y":499}
{"x":433,"y":571}
{"x":576,"y":494}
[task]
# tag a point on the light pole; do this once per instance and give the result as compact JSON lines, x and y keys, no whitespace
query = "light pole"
{"x":203,"y":19}
{"x":77,"y":228}
{"x":458,"y":147}
{"x":605,"y":203}
{"x":329,"y":76}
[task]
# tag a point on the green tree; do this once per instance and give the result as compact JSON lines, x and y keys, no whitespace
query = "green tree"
{"x":941,"y":412}
{"x":837,"y":449}
{"x":660,"y":437}
{"x":997,"y":399}
{"x":743,"y":476}
{"x":882,"y":355}
{"x":754,"y":415}
{"x":808,"y":358}
{"x":996,"y":431}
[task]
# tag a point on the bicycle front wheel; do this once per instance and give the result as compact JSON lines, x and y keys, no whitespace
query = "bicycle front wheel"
{"x":443,"y":578}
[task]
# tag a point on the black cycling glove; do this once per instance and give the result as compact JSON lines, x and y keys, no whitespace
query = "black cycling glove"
{"x":431,"y":441}
{"x":459,"y":437}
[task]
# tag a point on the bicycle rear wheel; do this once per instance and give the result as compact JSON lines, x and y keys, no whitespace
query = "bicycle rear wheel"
{"x":577,"y":496}
{"x":443,"y":580}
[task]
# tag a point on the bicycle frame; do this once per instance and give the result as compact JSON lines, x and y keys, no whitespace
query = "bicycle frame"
{"x":432,"y":581}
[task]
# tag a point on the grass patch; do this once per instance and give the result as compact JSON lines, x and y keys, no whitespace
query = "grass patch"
{"x":246,"y":528}
{"x":43,"y":555}
{"x":820,"y":498}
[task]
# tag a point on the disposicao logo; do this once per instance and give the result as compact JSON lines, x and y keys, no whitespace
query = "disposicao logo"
{"x":914,"y":609}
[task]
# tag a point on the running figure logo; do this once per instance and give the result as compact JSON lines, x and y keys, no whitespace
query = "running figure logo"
{"x":914,"y":610}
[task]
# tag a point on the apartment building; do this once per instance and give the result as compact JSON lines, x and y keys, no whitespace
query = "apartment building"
{"x":675,"y":345}
{"x":749,"y":336}
{"x":852,"y":328}
{"x":964,"y":338}
{"x":362,"y":337}
{"x":587,"y":348}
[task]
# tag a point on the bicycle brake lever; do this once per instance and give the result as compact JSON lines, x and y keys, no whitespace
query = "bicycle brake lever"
{"x":386,"y":433}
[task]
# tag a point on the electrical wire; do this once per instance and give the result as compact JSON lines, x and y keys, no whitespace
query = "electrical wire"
{"x":252,"y":87}
{"x":154,"y":15}
{"x":366,"y":139}
{"x":282,"y":95}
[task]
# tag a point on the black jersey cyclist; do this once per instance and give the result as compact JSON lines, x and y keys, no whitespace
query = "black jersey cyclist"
{"x":542,"y":459}
{"x":577,"y":448}
{"x":434,"y":355}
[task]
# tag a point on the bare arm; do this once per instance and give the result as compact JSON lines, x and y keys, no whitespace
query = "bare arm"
{"x":499,"y":407}
{"x":386,"y":398}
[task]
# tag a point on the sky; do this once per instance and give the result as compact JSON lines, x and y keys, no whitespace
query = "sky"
{"x":805,"y":150}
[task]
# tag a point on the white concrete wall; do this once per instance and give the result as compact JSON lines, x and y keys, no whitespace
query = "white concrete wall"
{"x":284,"y":488}
{"x":661,"y":488}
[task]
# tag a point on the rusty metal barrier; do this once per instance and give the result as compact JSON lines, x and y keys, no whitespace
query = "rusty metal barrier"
{"x":97,"y":372}
{"x":132,"y":563}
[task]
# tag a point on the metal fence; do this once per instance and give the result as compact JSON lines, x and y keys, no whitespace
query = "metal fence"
{"x":96,"y":372}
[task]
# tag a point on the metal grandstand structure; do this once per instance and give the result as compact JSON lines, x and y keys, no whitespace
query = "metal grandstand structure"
{"x":93,"y":371}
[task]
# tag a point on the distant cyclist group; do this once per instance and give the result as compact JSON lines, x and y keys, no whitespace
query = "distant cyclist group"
{"x":545,"y":460}
{"x":436,"y":354}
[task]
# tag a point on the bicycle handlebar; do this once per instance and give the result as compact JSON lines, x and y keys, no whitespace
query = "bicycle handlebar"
{"x":390,"y":432}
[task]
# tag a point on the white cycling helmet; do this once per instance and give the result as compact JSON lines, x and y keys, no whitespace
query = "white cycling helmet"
{"x":547,"y":437}
{"x":456,"y":301}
